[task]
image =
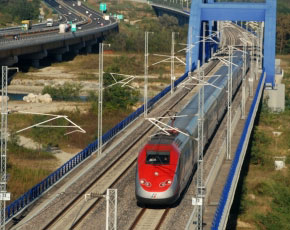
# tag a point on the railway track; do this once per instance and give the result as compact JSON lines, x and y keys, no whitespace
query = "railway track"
{"x":149,"y":219}
{"x":78,"y":209}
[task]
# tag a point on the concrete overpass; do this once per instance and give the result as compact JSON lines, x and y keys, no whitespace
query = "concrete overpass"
{"x":38,"y":44}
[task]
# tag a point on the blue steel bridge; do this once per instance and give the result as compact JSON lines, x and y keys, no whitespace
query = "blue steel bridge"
{"x":216,"y":210}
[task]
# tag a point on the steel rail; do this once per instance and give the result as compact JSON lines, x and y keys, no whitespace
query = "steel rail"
{"x":142,"y":217}
{"x":162,"y":219}
{"x":137,"y":219}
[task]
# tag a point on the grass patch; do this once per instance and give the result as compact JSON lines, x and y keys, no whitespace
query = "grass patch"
{"x":24,"y":174}
{"x":87,"y":77}
{"x":26,"y":167}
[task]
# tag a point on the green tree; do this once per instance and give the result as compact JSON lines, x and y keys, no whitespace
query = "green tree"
{"x":118,"y":97}
{"x":66,"y":92}
{"x":17,"y":10}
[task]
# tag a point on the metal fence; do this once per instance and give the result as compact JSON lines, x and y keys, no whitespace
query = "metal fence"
{"x":177,"y":4}
{"x":236,"y":161}
{"x":27,"y":198}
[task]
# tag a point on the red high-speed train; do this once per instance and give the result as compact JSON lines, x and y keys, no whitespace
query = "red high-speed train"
{"x":166,"y":162}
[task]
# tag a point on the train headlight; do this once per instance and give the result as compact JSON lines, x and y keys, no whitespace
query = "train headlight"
{"x":145,"y":183}
{"x":165,"y":183}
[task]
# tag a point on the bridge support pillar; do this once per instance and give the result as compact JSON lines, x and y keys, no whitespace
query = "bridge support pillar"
{"x":276,"y":97}
{"x":88,"y":49}
{"x":58,"y":53}
{"x":35,"y":63}
{"x":36,"y":57}
{"x":89,"y":45}
{"x":58,"y":57}
{"x":76,"y":48}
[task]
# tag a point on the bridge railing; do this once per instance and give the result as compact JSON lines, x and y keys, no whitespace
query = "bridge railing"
{"x":231,"y":182}
{"x":36,"y":191}
{"x":44,"y":38}
{"x":171,"y":3}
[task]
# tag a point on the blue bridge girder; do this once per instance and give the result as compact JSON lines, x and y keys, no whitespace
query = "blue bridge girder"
{"x":233,"y":11}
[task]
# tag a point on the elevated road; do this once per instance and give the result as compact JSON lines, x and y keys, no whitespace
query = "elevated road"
{"x":41,"y":41}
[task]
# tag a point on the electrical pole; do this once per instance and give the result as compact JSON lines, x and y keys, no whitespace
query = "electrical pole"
{"x":4,"y":196}
{"x":243,"y":83}
{"x":200,"y":185}
{"x":4,"y":112}
{"x":189,"y":48}
{"x":261,"y":44}
{"x":100,"y":98}
{"x":146,"y":74}
{"x":172,"y":63}
{"x":111,"y":210}
{"x":111,"y":206}
{"x":229,"y":113}
{"x":203,"y":44}
{"x":258,"y":49}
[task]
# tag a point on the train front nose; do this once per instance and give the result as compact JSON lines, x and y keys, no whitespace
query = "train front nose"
{"x":156,"y":181}
{"x":145,"y":195}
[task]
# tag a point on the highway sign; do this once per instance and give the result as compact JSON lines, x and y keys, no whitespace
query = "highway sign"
{"x":73,"y":27}
{"x":120,"y":16}
{"x":103,"y":7}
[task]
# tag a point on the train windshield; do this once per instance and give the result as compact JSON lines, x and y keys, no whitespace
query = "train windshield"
{"x":153,"y":157}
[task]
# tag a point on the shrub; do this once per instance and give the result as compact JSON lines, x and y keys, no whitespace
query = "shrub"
{"x":66,"y":92}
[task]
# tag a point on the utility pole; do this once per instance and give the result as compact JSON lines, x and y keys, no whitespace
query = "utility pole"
{"x":111,"y":210}
{"x":4,"y":112}
{"x":203,"y":44}
{"x":200,"y":185}
{"x":4,"y":196}
{"x":111,"y":206}
{"x":261,"y":44}
{"x":189,"y":50}
{"x":229,"y":113}
{"x":172,"y":63}
{"x":100,"y":99}
{"x":146,"y":74}
{"x":258,"y":49}
{"x":243,"y":83}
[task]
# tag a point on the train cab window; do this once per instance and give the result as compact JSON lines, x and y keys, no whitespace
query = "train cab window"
{"x":153,"y":157}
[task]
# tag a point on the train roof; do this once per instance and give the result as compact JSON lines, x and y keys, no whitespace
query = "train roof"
{"x":162,"y":139}
{"x":188,"y":124}
{"x":210,"y":94}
